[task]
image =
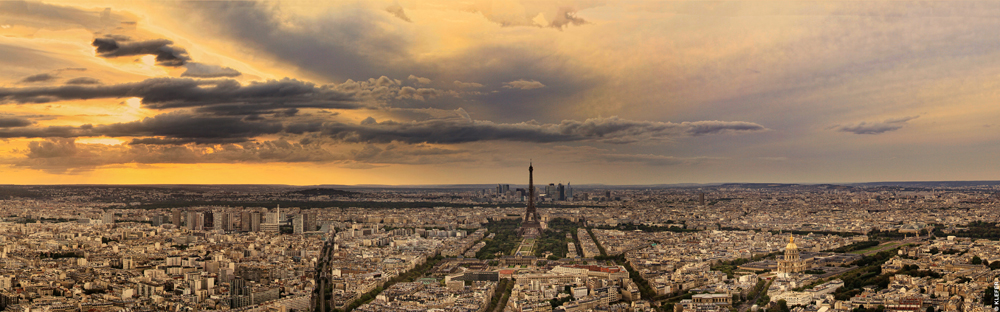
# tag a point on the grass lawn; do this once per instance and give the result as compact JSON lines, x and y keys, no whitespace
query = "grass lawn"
{"x":876,"y":248}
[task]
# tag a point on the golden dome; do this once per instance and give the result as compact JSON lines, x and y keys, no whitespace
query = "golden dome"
{"x":791,"y":243}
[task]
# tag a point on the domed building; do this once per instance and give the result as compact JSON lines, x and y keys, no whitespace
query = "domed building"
{"x":791,"y":263}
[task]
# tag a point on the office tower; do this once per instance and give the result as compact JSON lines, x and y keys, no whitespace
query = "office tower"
{"x":531,"y":227}
{"x":270,"y":217}
{"x":702,"y":201}
{"x":158,"y":220}
{"x":223,"y":221}
{"x":232,"y":221}
{"x":245,"y":224}
{"x":108,"y":217}
{"x":195,"y":221}
{"x":219,"y":220}
{"x":176,"y":218}
{"x":272,"y":221}
{"x":569,"y":191}
{"x":255,"y":221}
{"x":309,"y":222}
{"x":298,"y":224}
{"x":562,"y":192}
{"x":550,"y":191}
{"x":209,"y":220}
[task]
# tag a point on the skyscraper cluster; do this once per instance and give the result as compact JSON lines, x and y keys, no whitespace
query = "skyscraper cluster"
{"x":245,"y":220}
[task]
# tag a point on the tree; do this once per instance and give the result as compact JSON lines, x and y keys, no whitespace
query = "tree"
{"x":995,"y":265}
{"x":988,"y":297}
{"x":783,"y":306}
{"x":976,"y":260}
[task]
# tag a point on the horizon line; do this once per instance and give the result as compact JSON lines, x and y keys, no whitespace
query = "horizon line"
{"x":471,"y":184}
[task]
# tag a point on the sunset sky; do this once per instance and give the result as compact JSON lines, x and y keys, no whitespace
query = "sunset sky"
{"x":450,"y":92}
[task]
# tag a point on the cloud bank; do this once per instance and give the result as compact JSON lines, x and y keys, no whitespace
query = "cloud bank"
{"x":877,"y":127}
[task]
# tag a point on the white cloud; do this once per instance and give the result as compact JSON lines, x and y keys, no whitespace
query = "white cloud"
{"x":523,"y":84}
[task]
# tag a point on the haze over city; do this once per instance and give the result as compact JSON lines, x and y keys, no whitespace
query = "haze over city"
{"x":499,"y":156}
{"x":449,"y":92}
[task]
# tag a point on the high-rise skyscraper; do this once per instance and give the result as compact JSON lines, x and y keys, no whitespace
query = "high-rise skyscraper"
{"x":298,"y":224}
{"x":255,"y":221}
{"x":176,"y":217}
{"x":245,"y":224}
{"x":231,"y":221}
{"x":530,"y":226}
{"x":309,"y":222}
{"x":219,"y":220}
{"x":195,"y":221}
{"x":569,"y":191}
{"x":562,"y":192}
{"x":209,"y":220}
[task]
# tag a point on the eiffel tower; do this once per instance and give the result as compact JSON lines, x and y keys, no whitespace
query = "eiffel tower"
{"x":530,"y":226}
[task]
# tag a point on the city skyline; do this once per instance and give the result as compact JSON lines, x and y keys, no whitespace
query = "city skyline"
{"x":444,"y":92}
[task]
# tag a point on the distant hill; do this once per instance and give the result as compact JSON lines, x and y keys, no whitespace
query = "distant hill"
{"x":931,"y":184}
{"x":324,"y":191}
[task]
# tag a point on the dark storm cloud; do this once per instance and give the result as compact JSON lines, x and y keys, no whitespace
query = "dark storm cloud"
{"x":183,"y":128}
{"x":460,"y":130}
{"x":696,"y":128}
{"x":198,"y":129}
{"x":877,"y":127}
{"x":46,"y":132}
{"x":354,"y":44}
{"x":83,"y":81}
{"x":164,"y":93}
{"x":14,"y":122}
{"x":248,"y":109}
{"x":166,"y":54}
{"x":172,"y":128}
{"x":38,"y":78}
{"x":177,"y":141}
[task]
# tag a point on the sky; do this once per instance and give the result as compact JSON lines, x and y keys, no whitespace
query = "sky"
{"x":456,"y":92}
